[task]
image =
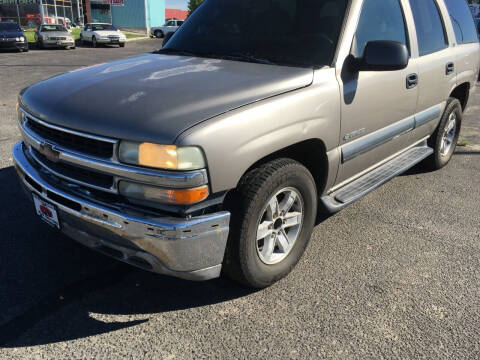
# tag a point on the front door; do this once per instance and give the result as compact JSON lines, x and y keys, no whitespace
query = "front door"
{"x":378,"y":106}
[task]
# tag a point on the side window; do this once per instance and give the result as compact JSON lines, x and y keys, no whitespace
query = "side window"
{"x":379,"y":20}
{"x":462,"y":21}
{"x":428,"y":23}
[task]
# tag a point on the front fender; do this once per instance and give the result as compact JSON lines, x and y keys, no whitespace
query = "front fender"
{"x":236,"y":140}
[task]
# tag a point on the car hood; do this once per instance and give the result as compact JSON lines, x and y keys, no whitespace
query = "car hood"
{"x":10,"y":34}
{"x":55,"y":33}
{"x":155,"y":97}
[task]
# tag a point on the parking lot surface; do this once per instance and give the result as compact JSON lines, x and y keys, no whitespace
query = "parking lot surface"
{"x":396,"y":275}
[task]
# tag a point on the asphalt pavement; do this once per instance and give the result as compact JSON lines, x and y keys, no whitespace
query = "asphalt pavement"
{"x":396,"y":275}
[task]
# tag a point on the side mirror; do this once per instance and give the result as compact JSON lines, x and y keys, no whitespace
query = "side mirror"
{"x":167,"y":37}
{"x":384,"y":56}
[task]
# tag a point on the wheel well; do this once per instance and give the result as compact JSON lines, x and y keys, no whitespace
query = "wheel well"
{"x":310,"y":153}
{"x":462,"y":92}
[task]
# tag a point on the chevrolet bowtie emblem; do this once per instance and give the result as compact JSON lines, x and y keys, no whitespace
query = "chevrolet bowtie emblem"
{"x":49,"y":152}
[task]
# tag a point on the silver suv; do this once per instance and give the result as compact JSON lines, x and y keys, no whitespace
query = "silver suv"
{"x":216,"y":153}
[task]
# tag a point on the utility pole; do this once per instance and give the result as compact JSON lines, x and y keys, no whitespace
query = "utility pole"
{"x":79,"y":3}
{"x":18,"y":15}
{"x":42,"y":12}
{"x":56,"y":15}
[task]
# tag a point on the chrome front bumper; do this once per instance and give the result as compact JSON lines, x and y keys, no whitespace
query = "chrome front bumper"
{"x":59,"y":43}
{"x":109,"y":41}
{"x":188,"y":248}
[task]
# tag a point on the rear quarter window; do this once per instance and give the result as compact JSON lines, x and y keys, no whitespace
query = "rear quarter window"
{"x":462,"y":21}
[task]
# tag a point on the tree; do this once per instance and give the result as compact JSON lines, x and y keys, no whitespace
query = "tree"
{"x":193,"y":5}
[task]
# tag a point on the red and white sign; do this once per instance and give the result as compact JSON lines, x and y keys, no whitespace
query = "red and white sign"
{"x":111,"y":2}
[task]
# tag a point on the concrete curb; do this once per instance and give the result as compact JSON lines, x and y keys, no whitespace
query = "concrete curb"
{"x":139,"y":38}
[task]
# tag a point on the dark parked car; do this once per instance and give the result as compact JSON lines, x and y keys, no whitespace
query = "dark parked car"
{"x":12,"y":37}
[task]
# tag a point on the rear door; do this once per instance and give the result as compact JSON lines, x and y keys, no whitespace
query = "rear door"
{"x":436,"y":64}
{"x":378,"y":106}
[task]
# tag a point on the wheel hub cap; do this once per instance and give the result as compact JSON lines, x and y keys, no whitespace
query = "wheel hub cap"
{"x":449,"y":135}
{"x":279,"y":226}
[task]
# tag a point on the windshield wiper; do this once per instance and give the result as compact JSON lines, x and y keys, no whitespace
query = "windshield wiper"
{"x":171,"y":51}
{"x":242,"y":57}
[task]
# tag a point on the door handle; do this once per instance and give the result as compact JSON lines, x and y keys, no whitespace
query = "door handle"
{"x":450,"y":68}
{"x":412,"y":81}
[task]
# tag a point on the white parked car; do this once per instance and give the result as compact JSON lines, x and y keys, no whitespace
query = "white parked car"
{"x":170,"y":27}
{"x":97,"y":33}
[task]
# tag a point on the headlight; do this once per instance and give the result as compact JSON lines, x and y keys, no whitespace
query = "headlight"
{"x":22,"y":39}
{"x":169,"y":157}
{"x":167,"y":196}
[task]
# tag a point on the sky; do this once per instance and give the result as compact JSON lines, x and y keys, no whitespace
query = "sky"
{"x":176,"y":4}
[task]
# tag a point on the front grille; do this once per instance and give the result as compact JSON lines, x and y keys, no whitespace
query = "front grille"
{"x":8,"y":39}
{"x":88,"y":146}
{"x":77,"y":173}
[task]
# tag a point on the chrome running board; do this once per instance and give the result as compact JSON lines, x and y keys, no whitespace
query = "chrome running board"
{"x":372,"y":180}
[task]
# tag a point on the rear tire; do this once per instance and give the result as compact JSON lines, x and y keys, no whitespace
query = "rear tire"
{"x":444,"y":139}
{"x":249,"y":258}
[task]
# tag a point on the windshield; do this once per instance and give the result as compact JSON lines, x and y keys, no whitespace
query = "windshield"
{"x":100,"y":27}
{"x":52,"y":28}
{"x":287,"y":32}
{"x":9,"y":27}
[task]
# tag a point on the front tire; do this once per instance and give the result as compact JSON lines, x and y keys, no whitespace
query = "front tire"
{"x":94,"y":42}
{"x":158,"y":34}
{"x":273,"y":215}
{"x":444,"y":139}
{"x":121,"y":45}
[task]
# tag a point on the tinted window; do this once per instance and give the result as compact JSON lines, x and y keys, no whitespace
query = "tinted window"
{"x":100,"y":27}
{"x":53,"y":28}
{"x":462,"y":21}
{"x":380,"y":20}
{"x":289,"y":32}
{"x":429,"y":26}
